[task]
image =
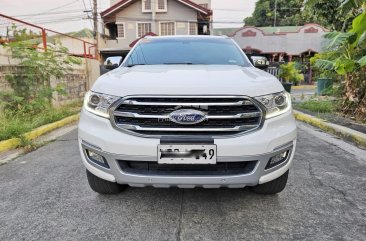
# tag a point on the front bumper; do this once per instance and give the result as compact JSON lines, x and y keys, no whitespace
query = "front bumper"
{"x":276,"y":136}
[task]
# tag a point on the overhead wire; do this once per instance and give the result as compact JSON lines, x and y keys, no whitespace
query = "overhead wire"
{"x":48,"y":13}
{"x":87,"y":13}
{"x":77,"y":15}
{"x":62,"y":6}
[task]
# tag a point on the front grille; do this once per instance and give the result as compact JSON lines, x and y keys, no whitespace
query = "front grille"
{"x":150,"y":115}
{"x":218,"y":169}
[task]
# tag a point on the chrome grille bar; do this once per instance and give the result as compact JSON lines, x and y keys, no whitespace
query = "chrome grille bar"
{"x":236,"y":116}
{"x":237,"y":103}
{"x":233,"y":129}
{"x":148,"y":116}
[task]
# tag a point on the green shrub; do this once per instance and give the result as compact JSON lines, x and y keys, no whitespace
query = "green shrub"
{"x":31,"y":91}
{"x":335,"y":91}
{"x":319,"y":106}
{"x":289,"y":73}
{"x":15,"y":126}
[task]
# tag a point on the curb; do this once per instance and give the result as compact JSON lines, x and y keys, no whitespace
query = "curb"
{"x":343,"y":132}
{"x":15,"y":142}
{"x":304,"y":87}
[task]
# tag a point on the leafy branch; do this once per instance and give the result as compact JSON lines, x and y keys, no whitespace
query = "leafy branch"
{"x":31,"y":90}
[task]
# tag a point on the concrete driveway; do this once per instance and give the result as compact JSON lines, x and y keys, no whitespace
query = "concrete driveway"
{"x":44,"y":195}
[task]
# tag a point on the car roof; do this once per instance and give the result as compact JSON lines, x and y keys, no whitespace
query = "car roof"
{"x":187,"y":37}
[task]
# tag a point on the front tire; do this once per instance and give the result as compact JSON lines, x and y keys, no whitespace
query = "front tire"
{"x":272,"y":187}
{"x":102,"y":186}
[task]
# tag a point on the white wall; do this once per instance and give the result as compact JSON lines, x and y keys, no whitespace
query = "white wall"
{"x":289,"y":43}
{"x":77,"y":82}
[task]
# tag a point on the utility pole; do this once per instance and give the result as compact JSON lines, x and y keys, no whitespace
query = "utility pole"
{"x":95,"y":23}
{"x":153,"y":17}
{"x":275,"y":14}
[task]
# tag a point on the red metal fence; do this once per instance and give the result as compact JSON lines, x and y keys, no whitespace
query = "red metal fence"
{"x":44,"y":37}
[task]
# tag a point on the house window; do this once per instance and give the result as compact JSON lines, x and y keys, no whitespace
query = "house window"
{"x":167,"y":28}
{"x":146,"y":6}
{"x":143,"y":29}
{"x":120,"y":30}
{"x":192,"y":28}
{"x":161,"y":5}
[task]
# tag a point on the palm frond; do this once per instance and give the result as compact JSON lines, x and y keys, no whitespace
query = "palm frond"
{"x":359,"y":26}
{"x":324,"y":64}
{"x":361,"y":39}
{"x":362,"y":61}
{"x":336,"y":39}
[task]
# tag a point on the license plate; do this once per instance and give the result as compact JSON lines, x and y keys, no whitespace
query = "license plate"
{"x":187,"y":154}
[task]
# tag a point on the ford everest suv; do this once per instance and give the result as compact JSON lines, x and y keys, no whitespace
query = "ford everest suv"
{"x":187,"y":111}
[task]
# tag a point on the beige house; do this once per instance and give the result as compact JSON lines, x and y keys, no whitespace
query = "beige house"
{"x":126,"y":21}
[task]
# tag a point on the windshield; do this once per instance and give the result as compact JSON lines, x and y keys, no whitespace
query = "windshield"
{"x":205,"y":51}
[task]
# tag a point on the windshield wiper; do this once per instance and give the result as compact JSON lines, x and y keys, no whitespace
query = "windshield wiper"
{"x":131,"y":65}
{"x":180,"y":63}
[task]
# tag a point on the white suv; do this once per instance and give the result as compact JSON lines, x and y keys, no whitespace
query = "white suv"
{"x":187,"y":111}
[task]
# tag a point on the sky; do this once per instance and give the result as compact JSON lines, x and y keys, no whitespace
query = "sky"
{"x":68,"y":15}
{"x":233,"y":11}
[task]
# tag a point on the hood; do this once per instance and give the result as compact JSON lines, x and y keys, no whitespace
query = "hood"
{"x":187,"y":80}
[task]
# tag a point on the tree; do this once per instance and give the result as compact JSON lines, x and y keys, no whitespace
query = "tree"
{"x":326,"y":12}
{"x":298,"y":12}
{"x":345,"y":54}
{"x":31,"y":90}
{"x":288,"y":13}
{"x":354,"y":7}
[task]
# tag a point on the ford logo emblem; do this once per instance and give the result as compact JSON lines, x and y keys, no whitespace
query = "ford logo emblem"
{"x":187,"y":116}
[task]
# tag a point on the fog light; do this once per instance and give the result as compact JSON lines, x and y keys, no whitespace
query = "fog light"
{"x":277,"y":159}
{"x":97,"y":159}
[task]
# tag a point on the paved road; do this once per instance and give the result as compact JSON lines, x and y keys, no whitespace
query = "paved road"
{"x":44,"y":195}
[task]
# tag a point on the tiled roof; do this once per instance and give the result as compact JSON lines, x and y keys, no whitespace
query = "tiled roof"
{"x":266,"y":30}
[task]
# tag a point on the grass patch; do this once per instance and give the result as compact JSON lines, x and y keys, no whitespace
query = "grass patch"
{"x":14,"y":126}
{"x":319,"y":106}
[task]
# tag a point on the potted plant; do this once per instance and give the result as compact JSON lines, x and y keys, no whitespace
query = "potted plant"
{"x":324,"y":77}
{"x":324,"y":82}
{"x":290,"y":75}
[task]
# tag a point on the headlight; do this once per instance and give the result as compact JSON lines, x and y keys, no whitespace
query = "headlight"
{"x":99,"y":104}
{"x":276,"y":104}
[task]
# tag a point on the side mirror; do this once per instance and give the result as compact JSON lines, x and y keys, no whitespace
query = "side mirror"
{"x":260,"y":62}
{"x":111,"y":66}
{"x":113,"y":62}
